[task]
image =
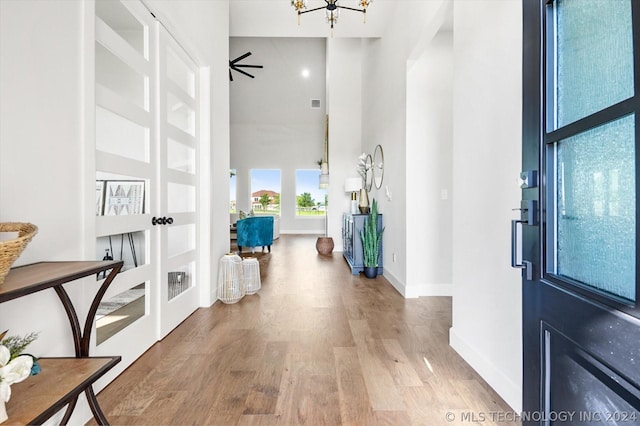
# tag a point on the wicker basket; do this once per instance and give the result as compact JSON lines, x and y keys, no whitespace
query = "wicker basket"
{"x":324,"y":245}
{"x":10,"y":249}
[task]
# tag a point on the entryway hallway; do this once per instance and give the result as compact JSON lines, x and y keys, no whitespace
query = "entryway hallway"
{"x":316,"y":345}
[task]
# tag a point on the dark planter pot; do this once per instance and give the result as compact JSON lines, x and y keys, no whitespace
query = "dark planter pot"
{"x":370,"y":271}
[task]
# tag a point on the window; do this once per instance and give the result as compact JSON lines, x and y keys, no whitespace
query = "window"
{"x":310,"y":201}
{"x":265,"y":191}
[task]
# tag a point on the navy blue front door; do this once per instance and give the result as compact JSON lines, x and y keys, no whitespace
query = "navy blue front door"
{"x":578,"y":232}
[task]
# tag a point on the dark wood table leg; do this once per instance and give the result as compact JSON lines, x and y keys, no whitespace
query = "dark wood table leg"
{"x":95,"y":407}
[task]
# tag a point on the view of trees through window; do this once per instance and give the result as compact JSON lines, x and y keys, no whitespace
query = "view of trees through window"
{"x":310,"y":200}
{"x":265,"y":191}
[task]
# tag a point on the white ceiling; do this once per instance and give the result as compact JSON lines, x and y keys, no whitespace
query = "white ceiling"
{"x":278,"y":94}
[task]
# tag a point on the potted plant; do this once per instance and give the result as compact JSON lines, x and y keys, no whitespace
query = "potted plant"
{"x":371,"y":239}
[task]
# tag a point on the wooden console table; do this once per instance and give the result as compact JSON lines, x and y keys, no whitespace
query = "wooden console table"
{"x":62,"y":380}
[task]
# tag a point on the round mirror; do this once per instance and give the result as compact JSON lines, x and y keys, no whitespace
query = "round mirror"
{"x":378,"y":166}
{"x":368,"y":166}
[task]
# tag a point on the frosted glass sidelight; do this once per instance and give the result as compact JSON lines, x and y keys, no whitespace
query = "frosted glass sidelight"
{"x":596,"y":208}
{"x":593,"y":49}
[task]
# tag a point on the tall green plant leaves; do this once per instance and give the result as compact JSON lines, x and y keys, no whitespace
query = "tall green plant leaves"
{"x":370,"y":236}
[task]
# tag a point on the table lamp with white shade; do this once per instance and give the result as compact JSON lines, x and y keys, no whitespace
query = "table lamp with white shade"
{"x":353,"y":185}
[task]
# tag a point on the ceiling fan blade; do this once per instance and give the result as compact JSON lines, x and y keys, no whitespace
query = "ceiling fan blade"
{"x":246,"y":66}
{"x":234,"y":66}
{"x":239,"y":58}
{"x":242,"y":72}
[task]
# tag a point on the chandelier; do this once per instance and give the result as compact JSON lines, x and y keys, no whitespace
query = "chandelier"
{"x":332,"y":9}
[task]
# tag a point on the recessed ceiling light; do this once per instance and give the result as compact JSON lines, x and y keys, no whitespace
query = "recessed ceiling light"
{"x":305,"y":73}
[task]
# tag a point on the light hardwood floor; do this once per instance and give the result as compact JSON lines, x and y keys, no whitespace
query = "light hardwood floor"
{"x":315,"y":346}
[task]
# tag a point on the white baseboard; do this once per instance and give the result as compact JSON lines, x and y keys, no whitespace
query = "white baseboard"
{"x":424,"y":290}
{"x":505,"y":387}
{"x":420,"y":290}
{"x":394,"y":281}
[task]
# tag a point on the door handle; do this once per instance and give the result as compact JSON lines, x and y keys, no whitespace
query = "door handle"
{"x":161,"y":220}
{"x":525,"y":264}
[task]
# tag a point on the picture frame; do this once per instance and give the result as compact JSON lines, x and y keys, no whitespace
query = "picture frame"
{"x":124,"y":197}
{"x":100,"y":185}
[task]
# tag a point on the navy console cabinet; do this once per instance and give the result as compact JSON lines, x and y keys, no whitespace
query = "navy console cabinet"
{"x":352,"y":244}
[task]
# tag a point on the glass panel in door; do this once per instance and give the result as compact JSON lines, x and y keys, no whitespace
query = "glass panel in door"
{"x":596,"y":208}
{"x":593,"y":48}
{"x":181,"y":157}
{"x":115,"y":75}
{"x":124,"y":22}
{"x":590,"y":68}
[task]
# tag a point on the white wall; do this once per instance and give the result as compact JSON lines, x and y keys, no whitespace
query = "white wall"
{"x":486,"y":157}
{"x":429,"y":170}
{"x":344,"y":106}
{"x":386,"y":61}
{"x":40,"y":148}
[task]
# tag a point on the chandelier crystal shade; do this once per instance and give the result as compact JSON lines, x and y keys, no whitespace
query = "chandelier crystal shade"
{"x":332,"y":9}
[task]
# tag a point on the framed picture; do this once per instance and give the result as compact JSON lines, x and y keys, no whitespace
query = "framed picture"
{"x":124,"y":197}
{"x":100,"y":197}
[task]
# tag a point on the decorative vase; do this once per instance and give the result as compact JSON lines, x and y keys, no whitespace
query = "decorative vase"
{"x":324,"y":245}
{"x":370,"y":271}
{"x":363,"y":205}
{"x":3,"y":412}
